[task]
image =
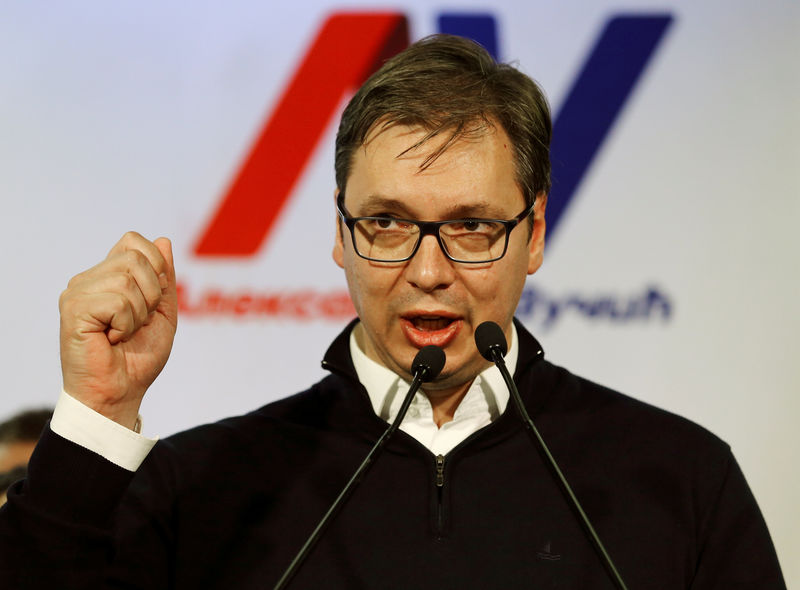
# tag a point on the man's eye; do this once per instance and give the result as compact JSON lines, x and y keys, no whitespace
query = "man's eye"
{"x":390,"y":223}
{"x":473,"y":225}
{"x":473,"y":228}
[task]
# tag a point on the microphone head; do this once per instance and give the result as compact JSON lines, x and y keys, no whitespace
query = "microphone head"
{"x":489,"y":337}
{"x":429,"y":361}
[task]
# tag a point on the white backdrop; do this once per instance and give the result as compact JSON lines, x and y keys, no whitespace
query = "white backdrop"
{"x":117,"y":117}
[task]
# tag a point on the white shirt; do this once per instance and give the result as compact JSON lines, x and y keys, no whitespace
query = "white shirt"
{"x":483,"y":403}
{"x":485,"y":400}
{"x":91,"y":430}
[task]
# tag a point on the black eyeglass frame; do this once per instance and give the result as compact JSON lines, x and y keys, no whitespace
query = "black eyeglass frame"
{"x":430,"y":228}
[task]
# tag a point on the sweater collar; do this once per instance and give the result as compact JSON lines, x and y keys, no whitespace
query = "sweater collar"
{"x":339,"y":361}
{"x":530,"y":351}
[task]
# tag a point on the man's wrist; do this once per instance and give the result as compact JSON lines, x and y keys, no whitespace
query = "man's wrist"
{"x":85,"y":427}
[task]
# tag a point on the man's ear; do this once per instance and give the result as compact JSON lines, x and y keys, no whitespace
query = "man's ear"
{"x":536,"y":253}
{"x":338,"y":245}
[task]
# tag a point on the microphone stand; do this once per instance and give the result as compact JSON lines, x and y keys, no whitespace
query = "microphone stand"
{"x":497,"y":357}
{"x":425,"y":369}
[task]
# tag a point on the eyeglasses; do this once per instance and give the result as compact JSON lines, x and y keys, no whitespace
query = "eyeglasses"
{"x":468,"y":241}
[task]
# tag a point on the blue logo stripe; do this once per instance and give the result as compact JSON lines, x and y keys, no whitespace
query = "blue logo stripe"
{"x":595,"y":100}
{"x":476,"y":26}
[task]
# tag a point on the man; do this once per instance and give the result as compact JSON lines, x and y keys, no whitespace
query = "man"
{"x":442,"y":172}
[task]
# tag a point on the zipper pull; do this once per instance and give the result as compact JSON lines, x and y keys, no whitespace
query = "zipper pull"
{"x":439,"y":471}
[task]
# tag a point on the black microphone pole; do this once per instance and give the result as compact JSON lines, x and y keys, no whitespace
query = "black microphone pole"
{"x":491,"y":343}
{"x":427,"y":365}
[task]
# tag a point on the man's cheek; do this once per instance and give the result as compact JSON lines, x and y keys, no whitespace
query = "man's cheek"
{"x":482,"y":284}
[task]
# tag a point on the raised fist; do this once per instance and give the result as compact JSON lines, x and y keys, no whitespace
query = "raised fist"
{"x":118,"y":322}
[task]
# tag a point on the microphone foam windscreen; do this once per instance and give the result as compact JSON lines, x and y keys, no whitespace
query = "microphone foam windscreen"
{"x":431,"y":357}
{"x":488,"y":336}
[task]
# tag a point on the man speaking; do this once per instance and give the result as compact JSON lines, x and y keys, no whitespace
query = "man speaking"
{"x":442,"y":172}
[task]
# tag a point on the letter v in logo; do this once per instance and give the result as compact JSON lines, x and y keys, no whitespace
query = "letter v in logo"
{"x":347,"y":49}
{"x":594,"y":102}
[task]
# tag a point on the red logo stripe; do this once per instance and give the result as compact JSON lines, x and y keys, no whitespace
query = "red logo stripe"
{"x":347,"y":49}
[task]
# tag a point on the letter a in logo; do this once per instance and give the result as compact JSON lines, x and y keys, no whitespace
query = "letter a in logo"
{"x":347,"y":49}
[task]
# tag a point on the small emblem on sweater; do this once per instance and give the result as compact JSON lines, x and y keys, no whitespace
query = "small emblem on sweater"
{"x":546,"y":553}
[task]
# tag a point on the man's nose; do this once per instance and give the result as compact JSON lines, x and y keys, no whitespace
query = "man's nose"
{"x":430,"y":269}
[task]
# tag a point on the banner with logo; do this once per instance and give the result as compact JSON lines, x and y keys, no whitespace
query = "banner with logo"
{"x":671,"y":265}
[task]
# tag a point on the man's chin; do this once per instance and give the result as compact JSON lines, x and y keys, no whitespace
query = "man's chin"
{"x":453,"y":378}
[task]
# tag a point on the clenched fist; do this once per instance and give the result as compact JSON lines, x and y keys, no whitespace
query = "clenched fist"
{"x":118,"y":322}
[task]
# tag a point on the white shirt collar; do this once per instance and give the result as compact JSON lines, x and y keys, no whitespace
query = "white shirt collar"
{"x":483,"y":403}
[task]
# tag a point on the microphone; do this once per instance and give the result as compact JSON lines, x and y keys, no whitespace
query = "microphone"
{"x":425,"y":367}
{"x":428,"y":363}
{"x":491,"y":343}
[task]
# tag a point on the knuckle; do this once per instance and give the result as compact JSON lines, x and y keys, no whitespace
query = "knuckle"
{"x":65,"y":302}
{"x":134,"y":258}
{"x":122,"y":282}
{"x":78,"y":278}
{"x":131,"y":236}
{"x":153,"y":301}
{"x":120,"y":303}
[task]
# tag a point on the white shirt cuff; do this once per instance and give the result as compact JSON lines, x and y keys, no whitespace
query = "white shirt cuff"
{"x":93,"y":431}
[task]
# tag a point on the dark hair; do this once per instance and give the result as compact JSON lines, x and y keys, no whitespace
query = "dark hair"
{"x":445,"y":83}
{"x":25,"y":426}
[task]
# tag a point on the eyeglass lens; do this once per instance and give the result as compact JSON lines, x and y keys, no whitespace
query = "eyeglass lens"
{"x":390,"y":240}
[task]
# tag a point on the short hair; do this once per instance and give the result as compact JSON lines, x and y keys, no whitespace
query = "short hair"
{"x":26,"y":426}
{"x":445,"y":83}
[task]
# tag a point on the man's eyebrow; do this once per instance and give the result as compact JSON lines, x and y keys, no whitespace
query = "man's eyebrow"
{"x":481,"y":209}
{"x":376,"y":204}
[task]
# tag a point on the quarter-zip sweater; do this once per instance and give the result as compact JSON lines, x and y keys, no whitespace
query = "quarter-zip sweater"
{"x":228,"y":505}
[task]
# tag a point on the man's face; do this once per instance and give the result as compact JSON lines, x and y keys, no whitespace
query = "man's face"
{"x":430,"y":299}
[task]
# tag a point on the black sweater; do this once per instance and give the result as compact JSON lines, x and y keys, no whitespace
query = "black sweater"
{"x":228,"y":505}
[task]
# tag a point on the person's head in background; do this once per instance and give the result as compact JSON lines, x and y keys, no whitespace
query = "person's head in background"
{"x":18,"y":437}
{"x":8,"y":478}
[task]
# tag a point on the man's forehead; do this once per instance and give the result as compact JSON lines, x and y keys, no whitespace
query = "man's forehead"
{"x":427,"y":141}
{"x":408,"y":171}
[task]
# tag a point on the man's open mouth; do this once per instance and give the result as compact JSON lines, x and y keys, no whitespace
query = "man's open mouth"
{"x":430,"y":324}
{"x":424,"y":329}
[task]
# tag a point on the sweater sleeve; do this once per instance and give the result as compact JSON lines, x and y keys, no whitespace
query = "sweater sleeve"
{"x":58,"y":528}
{"x":736,"y":551}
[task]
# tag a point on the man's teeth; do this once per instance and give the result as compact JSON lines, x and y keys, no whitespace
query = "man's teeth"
{"x":431,"y":324}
